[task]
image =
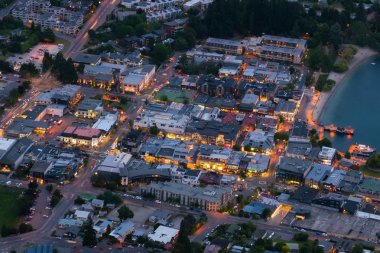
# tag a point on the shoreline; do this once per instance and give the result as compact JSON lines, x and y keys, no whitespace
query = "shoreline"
{"x":363,"y":54}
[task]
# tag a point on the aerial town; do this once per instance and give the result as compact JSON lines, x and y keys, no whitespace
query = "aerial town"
{"x":189,"y":126}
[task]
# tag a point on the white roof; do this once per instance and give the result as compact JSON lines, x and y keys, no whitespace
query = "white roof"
{"x":6,"y":144}
{"x":105,"y":123}
{"x":82,"y":214}
{"x":134,"y":79}
{"x":163,"y":234}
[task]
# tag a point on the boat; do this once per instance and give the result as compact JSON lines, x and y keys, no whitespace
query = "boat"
{"x":373,"y":63}
{"x":362,"y":150}
{"x":330,"y":128}
{"x":345,"y":130}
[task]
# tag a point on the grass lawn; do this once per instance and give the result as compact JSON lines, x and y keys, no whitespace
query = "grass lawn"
{"x":370,"y":173}
{"x":172,"y":95}
{"x":8,"y":206}
{"x":66,"y":43}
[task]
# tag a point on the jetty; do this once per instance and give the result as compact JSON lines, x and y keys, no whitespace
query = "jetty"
{"x":339,"y":130}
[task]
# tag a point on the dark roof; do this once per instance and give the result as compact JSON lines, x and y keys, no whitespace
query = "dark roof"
{"x":35,"y":112}
{"x":25,"y":126}
{"x":213,"y":128}
{"x":299,"y":129}
{"x":350,"y":206}
{"x":40,"y":166}
{"x":305,"y":194}
{"x":17,"y":150}
{"x":87,"y":58}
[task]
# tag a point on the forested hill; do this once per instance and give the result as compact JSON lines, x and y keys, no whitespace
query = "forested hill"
{"x":225,"y":18}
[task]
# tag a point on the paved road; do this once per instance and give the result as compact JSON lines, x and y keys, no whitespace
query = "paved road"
{"x":105,"y":8}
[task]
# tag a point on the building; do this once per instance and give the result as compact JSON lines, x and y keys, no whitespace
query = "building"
{"x":55,"y":110}
{"x":298,"y":148}
{"x":227,"y":46}
{"x":370,"y":186}
{"x":326,"y":155}
{"x":43,"y":14}
{"x":78,"y":136}
{"x":202,"y":56}
{"x":12,"y":152}
{"x":317,"y":175}
{"x":21,"y":128}
{"x":292,"y":170}
{"x":259,"y":140}
{"x":164,"y":235}
{"x":209,"y":198}
{"x":137,"y":79}
{"x":106,"y":122}
{"x":334,"y":180}
{"x":68,"y":95}
{"x":87,"y":59}
{"x":299,"y":130}
{"x":212,"y":157}
{"x":89,"y":108}
{"x":286,"y":109}
{"x":113,"y":164}
{"x":257,"y":164}
{"x":212,"y":132}
{"x":121,"y":231}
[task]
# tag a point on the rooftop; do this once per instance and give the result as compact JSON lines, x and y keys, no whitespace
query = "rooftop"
{"x":294,"y":164}
{"x":163,"y":234}
{"x":87,"y":58}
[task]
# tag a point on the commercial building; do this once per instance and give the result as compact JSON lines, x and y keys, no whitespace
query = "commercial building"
{"x":89,"y":108}
{"x":77,"y":136}
{"x":106,"y":122}
{"x":259,"y":140}
{"x":137,"y":79}
{"x":298,"y":148}
{"x":164,"y":235}
{"x":87,"y":59}
{"x":212,"y":157}
{"x":227,"y":46}
{"x":286,"y":109}
{"x":292,"y":170}
{"x":209,"y":198}
{"x":334,"y":180}
{"x":317,"y":175}
{"x":68,"y":95}
{"x":20,"y":128}
{"x":12,"y":152}
{"x":257,"y":164}
{"x":326,"y":155}
{"x":212,"y":132}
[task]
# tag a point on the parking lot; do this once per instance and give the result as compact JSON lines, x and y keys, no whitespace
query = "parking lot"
{"x":35,"y":55}
{"x":335,"y":223}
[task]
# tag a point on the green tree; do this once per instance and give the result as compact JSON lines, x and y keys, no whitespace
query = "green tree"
{"x":267,"y":213}
{"x":236,"y":147}
{"x":160,"y":53}
{"x":325,"y":142}
{"x":47,"y":62}
{"x":79,"y":201}
{"x":373,"y":161}
{"x":89,"y":235}
{"x":300,"y":237}
{"x":247,"y":148}
{"x":28,"y":70}
{"x":281,"y":136}
{"x":153,"y":130}
{"x":347,"y":155}
{"x":25,"y":228}
{"x":125,"y":213}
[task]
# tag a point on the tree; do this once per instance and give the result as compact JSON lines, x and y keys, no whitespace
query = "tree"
{"x":48,"y":36}
{"x":55,"y":198}
{"x":79,"y":201}
{"x":358,"y":248}
{"x":347,"y":155}
{"x":28,"y":70}
{"x":25,"y":228}
{"x":281,"y":136}
{"x":160,"y":53}
{"x":266,"y":213}
{"x":125,"y":213}
{"x":49,"y":188}
{"x":153,"y":130}
{"x":188,"y":224}
{"x":373,"y":161}
{"x":236,"y":147}
{"x":47,"y":62}
{"x":247,"y":148}
{"x":89,"y":235}
{"x":325,"y":142}
{"x":300,"y":237}
{"x":183,"y":244}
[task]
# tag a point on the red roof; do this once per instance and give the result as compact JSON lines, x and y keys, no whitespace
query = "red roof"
{"x":249,"y":120}
{"x":229,"y":118}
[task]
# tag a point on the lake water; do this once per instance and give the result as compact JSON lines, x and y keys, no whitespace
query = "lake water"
{"x":356,"y":103}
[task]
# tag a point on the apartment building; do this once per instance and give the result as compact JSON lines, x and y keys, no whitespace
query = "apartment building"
{"x":137,"y":79}
{"x":209,"y":198}
{"x":49,"y":17}
{"x":227,"y":46}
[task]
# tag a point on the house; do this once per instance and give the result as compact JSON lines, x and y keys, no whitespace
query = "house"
{"x":164,"y":235}
{"x":292,"y":170}
{"x":101,"y":227}
{"x":172,"y":27}
{"x":334,"y":180}
{"x":106,"y":122}
{"x":286,"y":109}
{"x":121,"y":231}
{"x":160,"y":215}
{"x":216,"y":87}
{"x":82,"y":215}
{"x":137,"y":79}
{"x":98,"y":203}
{"x":212,"y":248}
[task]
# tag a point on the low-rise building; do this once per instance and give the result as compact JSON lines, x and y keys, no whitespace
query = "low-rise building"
{"x":89,"y":108}
{"x":333,"y":181}
{"x":227,"y":46}
{"x":326,"y":155}
{"x":121,"y":231}
{"x":257,"y":164}
{"x":77,"y":136}
{"x":259,"y":140}
{"x":298,"y":148}
{"x":106,"y":122}
{"x":137,"y":79}
{"x":292,"y":170}
{"x":317,"y":175}
{"x":87,"y":59}
{"x":164,"y":235}
{"x":210,"y":198}
{"x":286,"y":109}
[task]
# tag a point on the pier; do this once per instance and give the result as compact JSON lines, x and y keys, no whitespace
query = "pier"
{"x":339,"y":130}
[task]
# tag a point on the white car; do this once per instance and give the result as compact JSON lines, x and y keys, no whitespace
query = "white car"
{"x":158,"y":202}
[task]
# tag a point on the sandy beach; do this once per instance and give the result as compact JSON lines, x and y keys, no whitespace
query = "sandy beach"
{"x":362,"y":55}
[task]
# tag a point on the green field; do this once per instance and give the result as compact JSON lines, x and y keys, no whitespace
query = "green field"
{"x":172,"y":95}
{"x":8,"y":206}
